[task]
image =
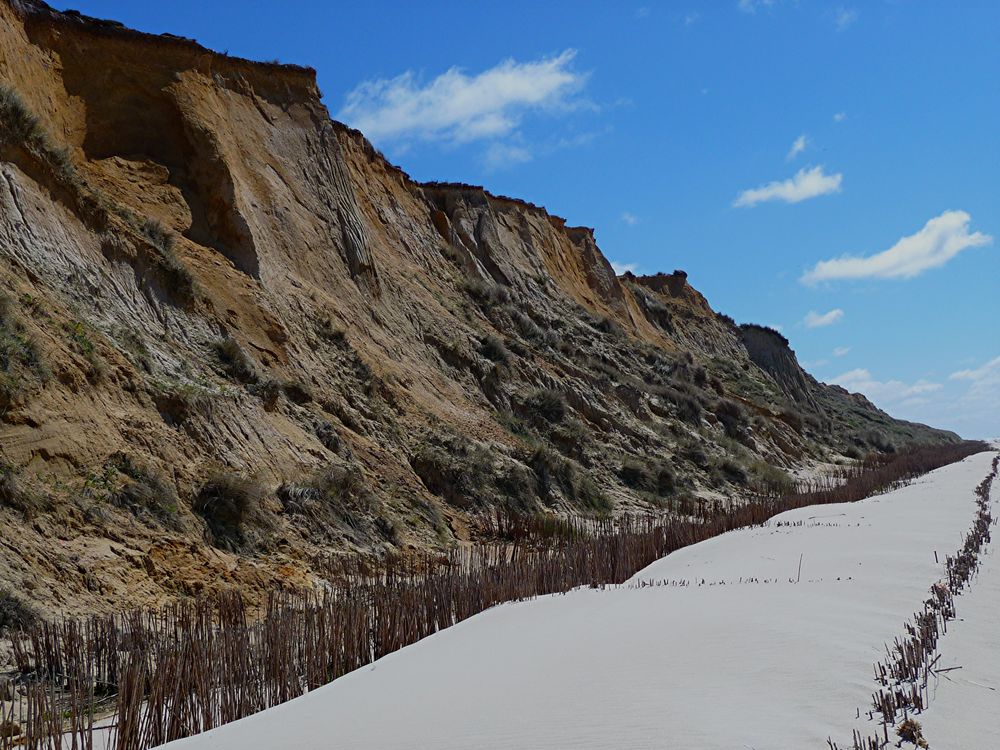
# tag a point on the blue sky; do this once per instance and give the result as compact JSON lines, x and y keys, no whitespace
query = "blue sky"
{"x":830,"y":169}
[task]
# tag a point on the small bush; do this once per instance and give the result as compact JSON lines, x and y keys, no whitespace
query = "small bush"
{"x":145,"y":494}
{"x":656,"y":311}
{"x":329,"y":330}
{"x":492,"y":347}
{"x":226,"y":502}
{"x":157,"y":234}
{"x":732,"y":417}
{"x":911,"y":731}
{"x":20,"y":360}
{"x":518,"y":484}
{"x":332,"y":498}
{"x":9,"y":489}
{"x":571,"y":437}
{"x":553,"y":472}
{"x":486,"y":293}
{"x":528,"y":327}
{"x":327,"y":434}
{"x":688,"y":406}
{"x":236,"y":362}
{"x":297,"y":392}
{"x":879,"y":441}
{"x":852,"y":452}
{"x":770,"y":480}
{"x":546,"y":404}
{"x":588,"y":496}
{"x":179,"y":402}
{"x":549,"y":472}
{"x":79,"y":336}
{"x":175,"y":277}
{"x":452,"y":351}
{"x":18,"y":125}
{"x":700,"y":376}
{"x":460,"y":472}
{"x":15,"y":613}
{"x":726,"y":319}
{"x":696,"y":454}
{"x":268,"y":389}
{"x":666,"y":482}
{"x":792,"y":418}
{"x":654,"y":478}
{"x":733,"y":472}
{"x":636,"y":475}
{"x":388,"y":529}
{"x":553,"y":340}
{"x":14,"y":495}
{"x":609,"y":326}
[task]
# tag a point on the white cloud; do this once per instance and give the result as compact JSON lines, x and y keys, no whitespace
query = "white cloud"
{"x":990,"y":370}
{"x":807,"y":183}
{"x":751,"y":6}
{"x":500,"y":155}
{"x":642,"y":12}
{"x":819,"y":320}
{"x":940,"y":240}
{"x":884,"y":392}
{"x":843,"y":18}
{"x":968,"y":403}
{"x":691,"y":18}
{"x":839,"y":116}
{"x":620,"y":268}
{"x":798,"y":146}
{"x":814,"y":364}
{"x":630,"y":218}
{"x":979,"y":404}
{"x":580,"y":139}
{"x":456,"y":107}
{"x":841,"y":351}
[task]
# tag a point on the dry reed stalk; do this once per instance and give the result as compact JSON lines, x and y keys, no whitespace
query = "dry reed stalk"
{"x":194,"y":665}
{"x":904,"y":675}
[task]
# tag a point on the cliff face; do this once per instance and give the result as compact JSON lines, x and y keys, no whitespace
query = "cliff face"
{"x":769,"y":350}
{"x":234,"y":337}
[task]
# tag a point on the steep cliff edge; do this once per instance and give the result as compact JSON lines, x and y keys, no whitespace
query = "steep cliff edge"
{"x":234,"y":338}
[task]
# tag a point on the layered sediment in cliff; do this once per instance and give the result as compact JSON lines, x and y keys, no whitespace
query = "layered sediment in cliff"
{"x":235,"y":338}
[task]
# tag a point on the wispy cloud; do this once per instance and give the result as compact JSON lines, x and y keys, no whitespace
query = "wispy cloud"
{"x":691,"y":18}
{"x":839,"y":116}
{"x":990,"y":369}
{"x":630,"y":218}
{"x":977,"y":405}
{"x":841,"y":351}
{"x":844,"y":18}
{"x":940,"y":240}
{"x":884,"y":392}
{"x":642,"y":12}
{"x":751,"y":6}
{"x":620,"y":268}
{"x":580,"y":139}
{"x":798,"y":146}
{"x":805,"y":184}
{"x":456,"y":107}
{"x":501,"y":155}
{"x":980,"y":403}
{"x":821,"y":320}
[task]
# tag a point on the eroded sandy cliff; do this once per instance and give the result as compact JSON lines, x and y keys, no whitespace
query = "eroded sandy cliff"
{"x":234,"y":338}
